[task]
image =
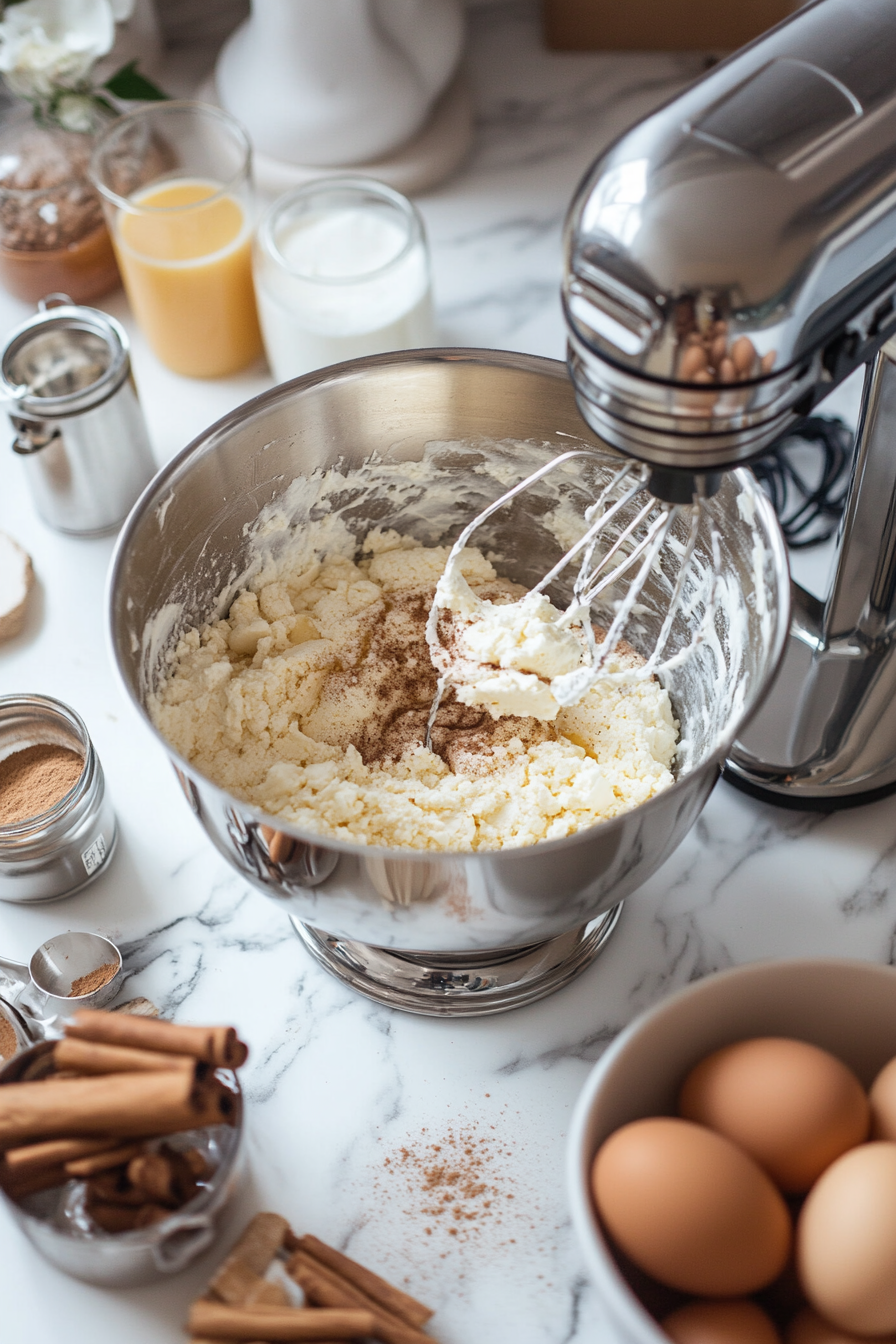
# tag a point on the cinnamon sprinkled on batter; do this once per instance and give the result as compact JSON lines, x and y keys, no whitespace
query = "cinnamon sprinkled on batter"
{"x":311,"y":700}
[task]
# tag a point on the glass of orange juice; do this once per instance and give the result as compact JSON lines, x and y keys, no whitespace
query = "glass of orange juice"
{"x":175,"y":180}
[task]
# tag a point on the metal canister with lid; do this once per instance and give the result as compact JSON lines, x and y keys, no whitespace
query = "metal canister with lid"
{"x":80,"y":432}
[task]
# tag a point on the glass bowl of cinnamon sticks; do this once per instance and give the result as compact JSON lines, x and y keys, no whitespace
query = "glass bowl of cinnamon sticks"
{"x":121,"y":1143}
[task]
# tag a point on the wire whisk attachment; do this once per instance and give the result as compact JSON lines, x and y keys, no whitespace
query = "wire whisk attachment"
{"x":545,"y":659}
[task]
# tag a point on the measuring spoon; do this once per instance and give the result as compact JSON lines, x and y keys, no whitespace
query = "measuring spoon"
{"x":46,"y":981}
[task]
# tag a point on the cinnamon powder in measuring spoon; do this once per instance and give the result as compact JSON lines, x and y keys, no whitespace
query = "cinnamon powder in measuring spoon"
{"x":8,"y":1043}
{"x":35,"y":779}
{"x":93,"y":980}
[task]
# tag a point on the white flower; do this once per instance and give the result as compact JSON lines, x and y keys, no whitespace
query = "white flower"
{"x":46,"y":45}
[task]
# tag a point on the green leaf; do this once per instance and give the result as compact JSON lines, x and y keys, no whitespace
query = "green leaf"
{"x":129,"y":84}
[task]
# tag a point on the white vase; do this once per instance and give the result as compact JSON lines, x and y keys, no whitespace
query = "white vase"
{"x":338,"y":82}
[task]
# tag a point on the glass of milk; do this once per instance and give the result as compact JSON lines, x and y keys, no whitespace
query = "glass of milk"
{"x":341,"y":270}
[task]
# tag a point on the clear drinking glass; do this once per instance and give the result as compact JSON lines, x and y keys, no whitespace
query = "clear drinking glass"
{"x":341,"y":270}
{"x":175,"y":179}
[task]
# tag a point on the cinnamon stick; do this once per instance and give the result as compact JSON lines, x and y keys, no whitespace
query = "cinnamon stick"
{"x":393,"y":1299}
{"x":219,"y":1320}
{"x":154,"y":1174}
{"x":113,"y":1187}
{"x":83,"y":1167}
{"x":32,"y":1182}
{"x":124,"y":1105}
{"x":198,"y":1166}
{"x":150,"y":1214}
{"x":96,"y":1058}
{"x":113,"y":1217}
{"x":324,"y":1288}
{"x":219,"y":1046}
{"x":250,"y":1258}
{"x":124,"y":1218}
{"x":265,"y":1293}
{"x":33,"y":1156}
{"x":217,"y":1096}
{"x":188,"y":1169}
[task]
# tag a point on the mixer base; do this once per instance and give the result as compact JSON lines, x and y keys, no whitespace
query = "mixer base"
{"x":823,"y":737}
{"x":460,"y":984}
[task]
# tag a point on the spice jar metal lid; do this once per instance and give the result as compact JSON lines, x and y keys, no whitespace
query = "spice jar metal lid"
{"x":63,"y":361}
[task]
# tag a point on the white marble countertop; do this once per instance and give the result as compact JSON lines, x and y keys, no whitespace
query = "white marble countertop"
{"x":348,"y":1102}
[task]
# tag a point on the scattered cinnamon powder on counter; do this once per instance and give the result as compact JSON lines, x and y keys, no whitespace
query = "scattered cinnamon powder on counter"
{"x":35,"y":779}
{"x":457,"y":1182}
{"x":94,"y":980}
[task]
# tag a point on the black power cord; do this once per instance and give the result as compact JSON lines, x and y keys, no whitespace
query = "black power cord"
{"x":806,"y":476}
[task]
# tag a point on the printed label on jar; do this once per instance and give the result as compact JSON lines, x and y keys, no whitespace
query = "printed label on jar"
{"x":93,"y":857}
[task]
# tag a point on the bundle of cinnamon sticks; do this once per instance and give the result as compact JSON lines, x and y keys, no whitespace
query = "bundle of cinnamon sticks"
{"x":93,"y":1106}
{"x":342,"y":1300}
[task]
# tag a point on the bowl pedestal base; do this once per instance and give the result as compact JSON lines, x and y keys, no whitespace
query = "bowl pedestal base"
{"x":460,"y":984}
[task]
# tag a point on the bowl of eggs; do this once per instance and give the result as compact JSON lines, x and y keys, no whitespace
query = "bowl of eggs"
{"x":732,"y":1161}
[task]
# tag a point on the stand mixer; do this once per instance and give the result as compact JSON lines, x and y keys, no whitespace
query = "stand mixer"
{"x":729,"y":261}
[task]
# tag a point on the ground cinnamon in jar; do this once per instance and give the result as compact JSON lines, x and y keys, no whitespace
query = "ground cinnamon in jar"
{"x":35,"y":779}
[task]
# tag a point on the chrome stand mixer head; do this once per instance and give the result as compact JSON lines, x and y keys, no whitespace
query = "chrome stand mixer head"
{"x":729,"y":261}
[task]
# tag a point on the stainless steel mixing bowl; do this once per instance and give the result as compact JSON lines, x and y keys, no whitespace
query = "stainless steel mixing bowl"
{"x":442,"y":933}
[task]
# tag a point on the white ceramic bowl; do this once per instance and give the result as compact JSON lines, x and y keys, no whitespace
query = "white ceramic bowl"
{"x":847,"y":1007}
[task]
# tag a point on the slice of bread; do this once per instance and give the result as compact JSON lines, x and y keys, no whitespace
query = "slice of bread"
{"x":16,"y":583}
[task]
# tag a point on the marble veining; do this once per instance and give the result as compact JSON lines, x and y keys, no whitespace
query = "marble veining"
{"x":358,"y":1116}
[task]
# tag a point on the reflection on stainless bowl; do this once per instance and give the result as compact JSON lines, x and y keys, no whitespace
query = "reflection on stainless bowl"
{"x":475,"y":418}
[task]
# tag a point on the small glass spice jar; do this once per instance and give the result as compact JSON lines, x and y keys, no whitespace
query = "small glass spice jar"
{"x":52,"y":232}
{"x":70,"y":836}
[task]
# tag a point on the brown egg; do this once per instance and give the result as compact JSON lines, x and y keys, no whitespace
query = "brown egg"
{"x":846,"y":1241}
{"x":793,"y":1107}
{"x":736,"y":1322}
{"x":690,"y":1208}
{"x":883,"y":1103}
{"x":809,"y":1328}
